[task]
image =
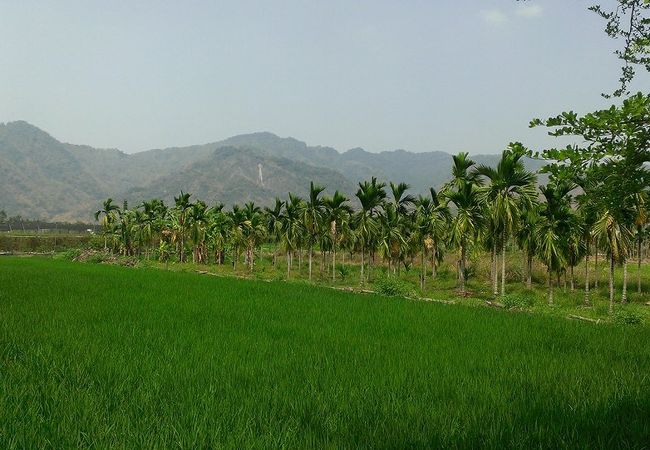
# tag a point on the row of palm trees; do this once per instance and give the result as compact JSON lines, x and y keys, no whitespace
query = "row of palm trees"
{"x":479,"y":209}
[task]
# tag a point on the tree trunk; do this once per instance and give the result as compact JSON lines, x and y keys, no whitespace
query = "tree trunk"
{"x":611,"y":284}
{"x":638,"y":266}
{"x":572,"y":281}
{"x":310,"y":255}
{"x":363,"y":251}
{"x":434,"y":269}
{"x":333,"y":263}
{"x":596,"y":267}
{"x":495,"y":273}
{"x":587,"y":302}
{"x":550,"y":287}
{"x":461,"y":274}
{"x":529,"y":279}
{"x":503,"y":268}
{"x":624,"y":296}
{"x":423,"y":269}
{"x":288,"y":263}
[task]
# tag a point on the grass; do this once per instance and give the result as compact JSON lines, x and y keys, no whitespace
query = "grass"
{"x":444,"y":286}
{"x":105,"y":356}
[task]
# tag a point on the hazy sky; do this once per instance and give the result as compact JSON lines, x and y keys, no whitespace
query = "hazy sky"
{"x":420,"y":75}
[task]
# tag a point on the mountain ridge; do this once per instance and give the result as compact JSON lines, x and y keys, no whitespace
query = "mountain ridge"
{"x":41,"y":177}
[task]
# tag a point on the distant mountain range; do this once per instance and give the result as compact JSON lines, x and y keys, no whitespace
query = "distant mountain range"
{"x":41,"y":177}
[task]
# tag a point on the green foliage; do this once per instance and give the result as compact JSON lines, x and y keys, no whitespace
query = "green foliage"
{"x":122,"y":358}
{"x":518,"y":301}
{"x":393,"y":287}
{"x":627,"y":317}
{"x":343,"y":270}
{"x":70,"y":254}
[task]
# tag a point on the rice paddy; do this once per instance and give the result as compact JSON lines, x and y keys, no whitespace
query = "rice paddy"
{"x":103,"y":356}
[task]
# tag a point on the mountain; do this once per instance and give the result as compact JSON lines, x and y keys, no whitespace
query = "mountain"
{"x":232,"y":175}
{"x":41,"y":177}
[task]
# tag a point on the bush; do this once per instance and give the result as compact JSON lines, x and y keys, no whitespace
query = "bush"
{"x":627,"y":317}
{"x":69,"y":255}
{"x":520,"y":301}
{"x":343,"y":271}
{"x":393,"y":287}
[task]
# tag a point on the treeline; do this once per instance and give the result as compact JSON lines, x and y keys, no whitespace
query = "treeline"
{"x":19,"y":223}
{"x":595,"y":201}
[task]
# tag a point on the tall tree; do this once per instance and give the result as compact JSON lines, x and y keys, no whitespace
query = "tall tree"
{"x":108,"y":214}
{"x":510,"y":190}
{"x":312,"y":217}
{"x":337,"y":212}
{"x":463,"y":192}
{"x":371,"y":195}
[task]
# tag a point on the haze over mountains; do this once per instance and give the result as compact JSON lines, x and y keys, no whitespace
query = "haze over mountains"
{"x":41,"y":177}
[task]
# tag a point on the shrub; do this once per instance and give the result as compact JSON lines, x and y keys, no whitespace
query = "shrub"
{"x":69,"y":255}
{"x":393,"y":287}
{"x":627,"y":317}
{"x":343,"y":271}
{"x":520,"y":301}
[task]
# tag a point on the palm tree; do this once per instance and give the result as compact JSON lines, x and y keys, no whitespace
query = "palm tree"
{"x":124,"y":227}
{"x":463,"y":191}
{"x":274,"y":218}
{"x":617,"y":236}
{"x":109,"y":211}
{"x":640,"y":221}
{"x":292,"y":227}
{"x":511,"y":189}
{"x":371,"y":195}
{"x":236,"y":236}
{"x":550,"y":251}
{"x":337,"y":212}
{"x":218,"y":231}
{"x":198,"y":217}
{"x":392,"y":235}
{"x":253,"y":231}
{"x":312,"y":216}
{"x":183,"y":204}
{"x":528,"y":238}
{"x":150,"y":221}
{"x":574,"y":245}
{"x":401,"y":200}
{"x":432,"y":216}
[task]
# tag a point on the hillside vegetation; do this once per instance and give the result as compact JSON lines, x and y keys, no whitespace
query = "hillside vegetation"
{"x":41,"y":177}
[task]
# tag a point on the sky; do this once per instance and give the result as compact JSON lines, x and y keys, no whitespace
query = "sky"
{"x":453,"y":75}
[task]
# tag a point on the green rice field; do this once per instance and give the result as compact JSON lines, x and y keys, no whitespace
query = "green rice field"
{"x":100,"y":356}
